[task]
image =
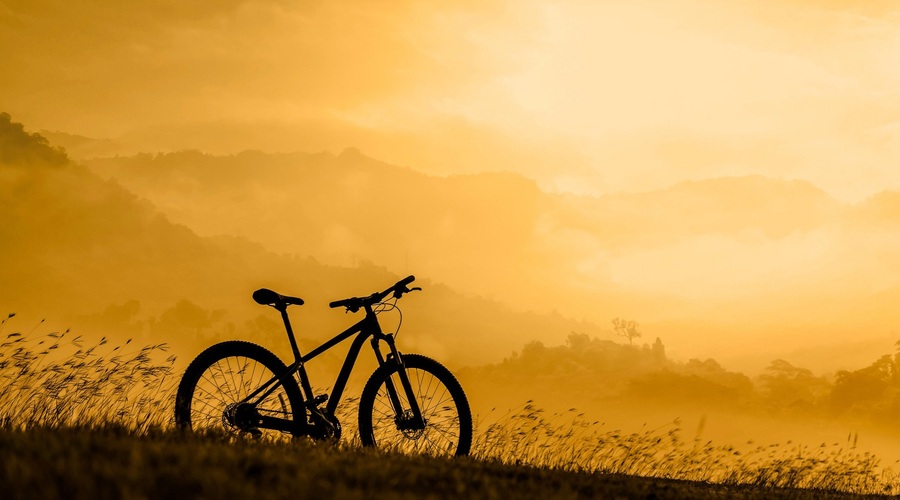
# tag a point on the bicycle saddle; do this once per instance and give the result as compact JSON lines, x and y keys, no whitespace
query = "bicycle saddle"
{"x":267,"y":297}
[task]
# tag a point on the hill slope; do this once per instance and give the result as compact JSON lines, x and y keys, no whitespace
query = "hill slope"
{"x":78,"y":247}
{"x":776,"y":263}
{"x":50,"y":464}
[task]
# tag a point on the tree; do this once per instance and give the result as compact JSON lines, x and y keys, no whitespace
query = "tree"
{"x":626,"y":328}
{"x":863,"y":388}
{"x":188,"y":317}
{"x":787,"y":387}
{"x":659,"y":351}
{"x":578,"y":341}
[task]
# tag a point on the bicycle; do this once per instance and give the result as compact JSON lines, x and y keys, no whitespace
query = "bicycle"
{"x":411,"y":403}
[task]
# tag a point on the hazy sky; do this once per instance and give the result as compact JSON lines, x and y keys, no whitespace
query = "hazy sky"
{"x":585,"y":96}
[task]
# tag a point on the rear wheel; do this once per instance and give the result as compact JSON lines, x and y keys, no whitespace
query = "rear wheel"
{"x":214,"y":385}
{"x":447,"y":429}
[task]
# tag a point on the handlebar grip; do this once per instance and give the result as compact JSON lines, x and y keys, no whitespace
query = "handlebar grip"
{"x":353,"y":303}
{"x":356,"y":303}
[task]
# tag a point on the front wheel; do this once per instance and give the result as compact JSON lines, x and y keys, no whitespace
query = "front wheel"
{"x":447,"y":428}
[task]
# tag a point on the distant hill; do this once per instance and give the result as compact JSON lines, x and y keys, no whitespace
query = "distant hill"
{"x":880,"y":212}
{"x":472,"y":232}
{"x":740,"y":268}
{"x":770,"y":208}
{"x":492,"y":233}
{"x":79,"y":247}
{"x":79,"y":147}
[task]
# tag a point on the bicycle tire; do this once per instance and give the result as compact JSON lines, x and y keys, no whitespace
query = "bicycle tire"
{"x":448,"y":429}
{"x":225,"y":373}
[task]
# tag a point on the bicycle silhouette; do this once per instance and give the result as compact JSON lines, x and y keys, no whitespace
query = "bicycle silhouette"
{"x":411,"y":403}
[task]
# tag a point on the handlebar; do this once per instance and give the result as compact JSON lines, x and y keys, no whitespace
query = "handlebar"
{"x":354,"y":304}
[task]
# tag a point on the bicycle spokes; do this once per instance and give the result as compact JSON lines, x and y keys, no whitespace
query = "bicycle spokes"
{"x":218,"y":398}
{"x":436,"y":433}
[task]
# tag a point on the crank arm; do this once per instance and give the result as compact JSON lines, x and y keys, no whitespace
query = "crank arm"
{"x":277,"y":424}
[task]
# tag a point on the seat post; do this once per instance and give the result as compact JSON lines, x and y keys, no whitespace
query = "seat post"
{"x":290,"y":331}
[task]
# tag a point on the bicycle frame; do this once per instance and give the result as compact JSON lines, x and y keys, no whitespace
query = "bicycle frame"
{"x":363,"y":329}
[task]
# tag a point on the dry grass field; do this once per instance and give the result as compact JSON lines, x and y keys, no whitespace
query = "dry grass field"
{"x":93,"y":420}
{"x":114,"y":462}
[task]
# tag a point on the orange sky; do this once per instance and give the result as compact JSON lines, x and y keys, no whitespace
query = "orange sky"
{"x":585,"y":96}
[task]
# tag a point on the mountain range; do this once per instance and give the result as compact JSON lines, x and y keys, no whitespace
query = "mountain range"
{"x":742,"y":268}
{"x":89,"y":254}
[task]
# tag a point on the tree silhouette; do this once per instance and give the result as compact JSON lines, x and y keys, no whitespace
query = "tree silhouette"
{"x":790,"y":388}
{"x":626,"y":328}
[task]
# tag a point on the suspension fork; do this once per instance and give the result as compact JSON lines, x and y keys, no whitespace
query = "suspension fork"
{"x":393,"y":395}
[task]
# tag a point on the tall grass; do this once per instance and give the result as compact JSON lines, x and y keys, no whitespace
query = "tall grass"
{"x":60,"y":380}
{"x":569,"y":441}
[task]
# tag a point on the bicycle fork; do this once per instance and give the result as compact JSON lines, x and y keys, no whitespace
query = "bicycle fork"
{"x":413,"y":420}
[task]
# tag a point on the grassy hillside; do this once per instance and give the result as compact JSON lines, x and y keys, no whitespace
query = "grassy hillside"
{"x":111,"y":407}
{"x":115,"y":463}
